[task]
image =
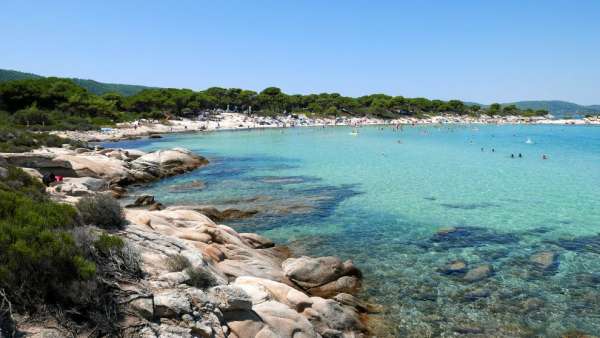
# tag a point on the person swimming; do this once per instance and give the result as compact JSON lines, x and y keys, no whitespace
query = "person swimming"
{"x":544,"y":157}
{"x":520,"y":156}
{"x":512,"y":155}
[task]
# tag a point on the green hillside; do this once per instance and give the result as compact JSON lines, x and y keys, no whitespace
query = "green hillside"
{"x":558,"y":108}
{"x":92,"y":86}
{"x":11,"y":75}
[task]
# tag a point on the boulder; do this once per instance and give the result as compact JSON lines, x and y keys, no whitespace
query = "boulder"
{"x":333,"y":315}
{"x":228,"y":214}
{"x":282,"y":321}
{"x":171,"y":303}
{"x":257,"y":241}
{"x":143,"y":200}
{"x":163,"y":163}
{"x":230,"y":298}
{"x":344,"y":284}
{"x":262,"y":290}
{"x":143,"y":307}
{"x":312,"y":272}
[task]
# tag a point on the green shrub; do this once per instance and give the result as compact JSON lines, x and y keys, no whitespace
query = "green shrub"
{"x":39,"y":258}
{"x":101,"y":210}
{"x":200,"y":278}
{"x":107,"y":244}
{"x":177,"y":263}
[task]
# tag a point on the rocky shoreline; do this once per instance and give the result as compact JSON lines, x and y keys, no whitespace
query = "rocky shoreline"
{"x":250,"y":287}
{"x":236,"y":121}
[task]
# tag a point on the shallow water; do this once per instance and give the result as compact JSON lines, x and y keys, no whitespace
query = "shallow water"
{"x":380,"y":198}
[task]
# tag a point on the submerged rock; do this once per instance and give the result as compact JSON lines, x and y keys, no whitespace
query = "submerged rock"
{"x":545,"y":261}
{"x":187,"y":186}
{"x":478,"y":273}
{"x":477,"y":294}
{"x":461,"y":237}
{"x":455,"y":267}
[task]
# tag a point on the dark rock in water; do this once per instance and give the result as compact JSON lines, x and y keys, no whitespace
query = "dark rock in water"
{"x":544,"y":261}
{"x":456,"y":267}
{"x":478,"y":273}
{"x":477,"y":294}
{"x":228,"y":214}
{"x":187,"y":186}
{"x":142,"y":201}
{"x":468,"y":329}
{"x":580,"y":244}
{"x":156,"y":206}
{"x":285,"y":179}
{"x":460,"y":237}
{"x":468,"y":206}
{"x":588,"y":279}
{"x":531,"y":304}
{"x":154,"y":136}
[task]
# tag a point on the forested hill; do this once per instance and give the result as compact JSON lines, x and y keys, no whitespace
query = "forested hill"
{"x":554,"y":107}
{"x":92,"y":86}
{"x":558,"y":108}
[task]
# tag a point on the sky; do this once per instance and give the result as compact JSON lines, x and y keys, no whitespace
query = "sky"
{"x":478,"y":51}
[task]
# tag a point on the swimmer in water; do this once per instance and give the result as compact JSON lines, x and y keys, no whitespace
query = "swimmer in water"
{"x":512,"y":155}
{"x":544,"y":157}
{"x":520,"y":156}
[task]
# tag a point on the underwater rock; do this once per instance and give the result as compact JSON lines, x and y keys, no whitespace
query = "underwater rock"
{"x":478,"y":273}
{"x":477,"y":294}
{"x":531,"y":304}
{"x":455,"y":267}
{"x":544,"y":261}
{"x":461,"y":237}
{"x":187,"y":186}
{"x":580,"y":244}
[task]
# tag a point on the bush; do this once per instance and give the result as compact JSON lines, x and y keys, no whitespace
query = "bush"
{"x":107,"y":244}
{"x":177,"y":263}
{"x":200,"y":278}
{"x":39,"y":258}
{"x":101,"y":210}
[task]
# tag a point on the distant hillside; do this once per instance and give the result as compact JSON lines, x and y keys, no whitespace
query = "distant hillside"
{"x":558,"y":108}
{"x":95,"y":87}
{"x":555,"y":107}
{"x":11,"y":75}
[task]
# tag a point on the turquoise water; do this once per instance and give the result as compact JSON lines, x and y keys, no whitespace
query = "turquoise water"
{"x":380,"y":197}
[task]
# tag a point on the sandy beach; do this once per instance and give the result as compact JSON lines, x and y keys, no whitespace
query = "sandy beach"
{"x":237,"y":121}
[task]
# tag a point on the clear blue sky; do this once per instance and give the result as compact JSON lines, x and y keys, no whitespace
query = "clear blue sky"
{"x":479,"y":51}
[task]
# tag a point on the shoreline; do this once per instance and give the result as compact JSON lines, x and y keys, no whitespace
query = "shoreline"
{"x":236,"y":121}
{"x":256,"y":287}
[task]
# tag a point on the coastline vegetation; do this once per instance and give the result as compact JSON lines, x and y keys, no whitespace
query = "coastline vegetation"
{"x":50,"y":264}
{"x":60,"y":104}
